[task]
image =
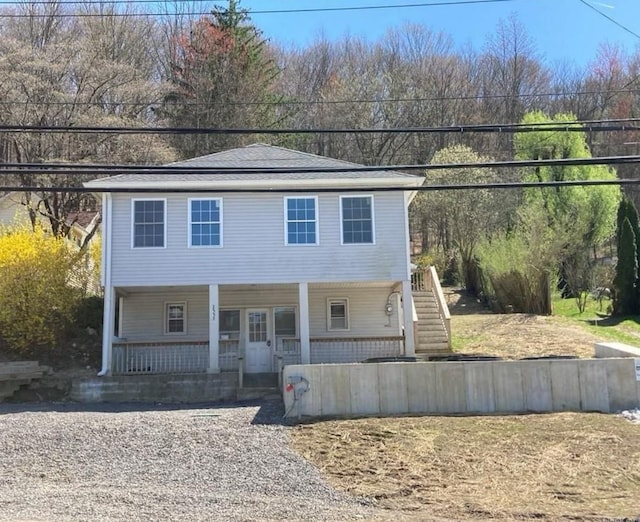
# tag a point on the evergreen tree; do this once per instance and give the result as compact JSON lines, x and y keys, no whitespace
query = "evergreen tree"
{"x":627,"y":210}
{"x":223,"y":76}
{"x":624,"y":283}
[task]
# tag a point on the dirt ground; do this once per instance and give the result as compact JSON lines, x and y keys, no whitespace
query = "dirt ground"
{"x":513,"y":336}
{"x":565,"y":466}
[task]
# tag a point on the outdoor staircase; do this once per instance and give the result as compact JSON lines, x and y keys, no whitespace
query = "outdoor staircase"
{"x":13,"y":375}
{"x":432,"y":330}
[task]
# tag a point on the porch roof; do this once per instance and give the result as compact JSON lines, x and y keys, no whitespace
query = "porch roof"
{"x":263,"y":286}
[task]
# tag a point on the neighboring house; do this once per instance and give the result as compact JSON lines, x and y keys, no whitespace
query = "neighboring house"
{"x":84,"y":228}
{"x":12,"y":210}
{"x":194,"y":280}
{"x":82,"y":225}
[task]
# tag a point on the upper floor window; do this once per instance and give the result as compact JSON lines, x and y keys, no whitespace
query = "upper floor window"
{"x":149,"y":217}
{"x":356,"y":219}
{"x":301,"y":220}
{"x":205,"y":222}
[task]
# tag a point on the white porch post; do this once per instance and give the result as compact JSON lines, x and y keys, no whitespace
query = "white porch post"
{"x":214,"y":329}
{"x":305,"y":345}
{"x":407,"y":314}
{"x":108,"y":323}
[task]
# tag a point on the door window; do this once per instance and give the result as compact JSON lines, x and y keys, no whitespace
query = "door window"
{"x":257,"y":327}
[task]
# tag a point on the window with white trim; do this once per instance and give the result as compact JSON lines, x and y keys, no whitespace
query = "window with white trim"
{"x":337,"y":314}
{"x":229,"y":324}
{"x":149,"y":216}
{"x":205,"y":222}
{"x":175,"y":318}
{"x":301,"y":220}
{"x":356,"y":216}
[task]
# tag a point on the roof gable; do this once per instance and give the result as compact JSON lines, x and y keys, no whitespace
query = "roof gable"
{"x":259,"y":156}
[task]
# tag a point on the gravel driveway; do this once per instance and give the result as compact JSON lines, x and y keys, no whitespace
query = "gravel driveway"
{"x":70,"y":462}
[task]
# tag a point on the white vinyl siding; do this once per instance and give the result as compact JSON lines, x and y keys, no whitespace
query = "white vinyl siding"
{"x":357,"y":220}
{"x":254,"y":251}
{"x":205,"y":222}
{"x":143,"y":315}
{"x":367,"y":316}
{"x":149,"y":223}
{"x":301,"y":220}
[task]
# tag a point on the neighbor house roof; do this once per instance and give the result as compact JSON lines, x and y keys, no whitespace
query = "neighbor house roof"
{"x":83,"y":219}
{"x":259,"y":156}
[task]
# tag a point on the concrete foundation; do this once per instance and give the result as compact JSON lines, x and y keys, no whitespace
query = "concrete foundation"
{"x":185,"y":388}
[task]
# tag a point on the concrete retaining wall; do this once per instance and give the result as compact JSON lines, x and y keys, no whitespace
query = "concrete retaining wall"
{"x":157,"y":388}
{"x":604,"y":385}
{"x":605,"y":350}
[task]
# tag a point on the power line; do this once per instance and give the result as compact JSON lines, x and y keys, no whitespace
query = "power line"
{"x":584,"y":2}
{"x":248,"y":11}
{"x":509,"y":128}
{"x":80,"y":169}
{"x":330,"y":102}
{"x":423,"y":188}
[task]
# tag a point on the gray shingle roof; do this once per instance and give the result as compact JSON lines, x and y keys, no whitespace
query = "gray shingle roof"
{"x":255,"y":157}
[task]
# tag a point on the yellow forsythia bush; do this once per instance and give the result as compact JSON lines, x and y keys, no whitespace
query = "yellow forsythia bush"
{"x":37,"y":304}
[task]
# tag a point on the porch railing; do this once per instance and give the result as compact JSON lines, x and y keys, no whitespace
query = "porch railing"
{"x":136,"y":357}
{"x":342,"y":349}
{"x":140,"y":357}
{"x":354,"y":349}
{"x":228,"y":352}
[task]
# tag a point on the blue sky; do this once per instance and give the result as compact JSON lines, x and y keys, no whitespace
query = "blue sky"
{"x":562,"y":30}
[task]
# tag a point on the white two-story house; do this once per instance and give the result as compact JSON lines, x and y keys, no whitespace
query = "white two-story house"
{"x":206,"y":268}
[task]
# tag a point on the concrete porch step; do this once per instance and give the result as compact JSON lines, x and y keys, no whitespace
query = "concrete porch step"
{"x":13,"y":375}
{"x":258,"y":393}
{"x":7,"y":389}
{"x":260,"y":380}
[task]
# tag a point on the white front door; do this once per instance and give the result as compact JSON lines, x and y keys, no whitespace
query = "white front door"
{"x":258,"y":350}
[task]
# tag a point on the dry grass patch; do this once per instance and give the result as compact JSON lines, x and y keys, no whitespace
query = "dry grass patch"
{"x":556,"y":466}
{"x":514,"y":336}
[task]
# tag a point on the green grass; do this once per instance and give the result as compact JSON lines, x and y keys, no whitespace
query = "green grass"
{"x":459,"y":341}
{"x":596,"y":320}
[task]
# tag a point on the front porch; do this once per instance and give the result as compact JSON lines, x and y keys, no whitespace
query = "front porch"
{"x":256,"y":328}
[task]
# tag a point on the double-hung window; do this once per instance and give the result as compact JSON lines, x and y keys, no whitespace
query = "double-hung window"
{"x":301,"y":220}
{"x":175,"y":318}
{"x":337,"y":314}
{"x":356,"y":219}
{"x":205,"y":222}
{"x":149,"y":223}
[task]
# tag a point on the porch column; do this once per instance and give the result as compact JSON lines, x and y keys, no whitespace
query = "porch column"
{"x":407,"y":315}
{"x":214,"y":329}
{"x":108,"y":324}
{"x":303,"y":301}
